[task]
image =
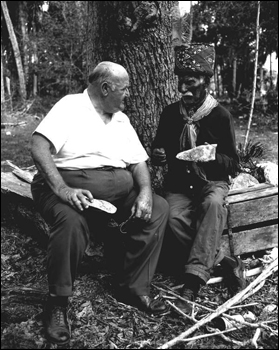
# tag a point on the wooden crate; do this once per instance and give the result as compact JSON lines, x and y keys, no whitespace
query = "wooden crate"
{"x":253,"y":219}
{"x":253,"y":214}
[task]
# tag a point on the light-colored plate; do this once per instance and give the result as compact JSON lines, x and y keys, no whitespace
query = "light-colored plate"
{"x":103,"y":205}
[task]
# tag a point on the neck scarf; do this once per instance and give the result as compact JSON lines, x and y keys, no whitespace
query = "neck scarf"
{"x":189,"y":133}
{"x":190,"y":130}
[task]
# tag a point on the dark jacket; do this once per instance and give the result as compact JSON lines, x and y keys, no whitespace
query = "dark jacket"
{"x":215,"y":128}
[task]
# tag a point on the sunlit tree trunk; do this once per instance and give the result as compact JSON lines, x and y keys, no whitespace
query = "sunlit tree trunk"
{"x":22,"y":86}
{"x":35,"y":61}
{"x":255,"y":74}
{"x":234,"y":75}
{"x":270,"y":71}
{"x":137,"y":34}
{"x":24,"y":41}
{"x":191,"y":21}
{"x":2,"y":83}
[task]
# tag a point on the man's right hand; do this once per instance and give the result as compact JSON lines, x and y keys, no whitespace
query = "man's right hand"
{"x":77,"y":198}
{"x":158,"y":156}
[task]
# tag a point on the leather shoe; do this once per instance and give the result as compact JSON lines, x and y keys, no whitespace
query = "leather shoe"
{"x":234,"y":277}
{"x":145,"y":303}
{"x":56,"y":324}
{"x":185,"y":307}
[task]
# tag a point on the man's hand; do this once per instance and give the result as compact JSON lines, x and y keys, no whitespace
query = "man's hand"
{"x":77,"y":198}
{"x":158,"y":156}
{"x":142,"y":208}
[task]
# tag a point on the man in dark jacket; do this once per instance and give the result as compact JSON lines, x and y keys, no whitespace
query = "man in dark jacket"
{"x":196,"y":190}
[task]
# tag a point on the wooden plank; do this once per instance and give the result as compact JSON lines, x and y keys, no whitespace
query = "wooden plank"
{"x":250,"y":189}
{"x":246,"y":196}
{"x":254,"y":211}
{"x":252,"y":240}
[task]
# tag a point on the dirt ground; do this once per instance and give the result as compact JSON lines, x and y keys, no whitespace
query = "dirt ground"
{"x":97,"y":320}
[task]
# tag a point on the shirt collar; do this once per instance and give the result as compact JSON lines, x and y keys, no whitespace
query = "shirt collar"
{"x":118,"y":116}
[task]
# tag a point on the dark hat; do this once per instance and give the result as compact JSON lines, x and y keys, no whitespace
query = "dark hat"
{"x":194,"y":58}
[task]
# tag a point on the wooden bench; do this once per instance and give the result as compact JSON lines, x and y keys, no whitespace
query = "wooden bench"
{"x":253,"y":214}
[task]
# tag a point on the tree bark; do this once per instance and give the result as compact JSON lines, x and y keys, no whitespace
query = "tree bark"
{"x":2,"y":84}
{"x":255,"y":75}
{"x":24,"y":33}
{"x":22,"y":86}
{"x":137,"y":35}
{"x":234,"y":74}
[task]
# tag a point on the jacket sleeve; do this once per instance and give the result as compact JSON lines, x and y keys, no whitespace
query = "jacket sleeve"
{"x":227,"y":160}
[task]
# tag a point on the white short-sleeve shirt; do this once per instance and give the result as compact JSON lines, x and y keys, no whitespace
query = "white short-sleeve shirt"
{"x":83,"y":141}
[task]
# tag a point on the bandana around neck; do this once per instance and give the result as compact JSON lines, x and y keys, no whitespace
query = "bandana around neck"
{"x":188,"y":136}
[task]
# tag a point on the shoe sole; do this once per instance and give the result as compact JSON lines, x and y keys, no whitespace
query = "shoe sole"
{"x":56,"y":343}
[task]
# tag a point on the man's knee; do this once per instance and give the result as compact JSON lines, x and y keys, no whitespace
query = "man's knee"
{"x":71,"y":222}
{"x":213,"y":202}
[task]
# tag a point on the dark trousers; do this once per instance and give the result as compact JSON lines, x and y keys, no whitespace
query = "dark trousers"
{"x":70,"y":230}
{"x":195,"y":227}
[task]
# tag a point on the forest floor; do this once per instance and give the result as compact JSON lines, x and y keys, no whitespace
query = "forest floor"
{"x":97,"y":320}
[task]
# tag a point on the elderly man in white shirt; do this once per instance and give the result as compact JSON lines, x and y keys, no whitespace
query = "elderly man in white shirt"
{"x":86,"y":148}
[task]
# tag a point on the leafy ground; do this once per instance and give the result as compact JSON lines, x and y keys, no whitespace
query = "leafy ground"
{"x":98,"y":321}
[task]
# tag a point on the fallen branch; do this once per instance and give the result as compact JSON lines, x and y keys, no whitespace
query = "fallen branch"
{"x":3,"y":125}
{"x":256,"y":337}
{"x":22,"y":174}
{"x":265,"y":273}
{"x":181,"y":312}
{"x":23,"y":295}
{"x":198,"y":337}
{"x":242,"y":323}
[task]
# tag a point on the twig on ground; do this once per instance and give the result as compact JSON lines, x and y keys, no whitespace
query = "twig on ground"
{"x":210,"y":334}
{"x":242,"y":306}
{"x":181,"y":312}
{"x":235,"y":299}
{"x":256,"y":337}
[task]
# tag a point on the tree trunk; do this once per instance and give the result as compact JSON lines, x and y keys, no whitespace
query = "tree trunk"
{"x":234,"y":75}
{"x":2,"y":84}
{"x":270,"y":71}
{"x":191,"y":21}
{"x":137,"y":35}
{"x":24,"y":42}
{"x":261,"y":80}
{"x":22,"y":87}
{"x":35,"y":63}
{"x":255,"y":75}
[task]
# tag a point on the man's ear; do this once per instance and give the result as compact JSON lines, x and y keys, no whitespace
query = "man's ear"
{"x":104,"y":88}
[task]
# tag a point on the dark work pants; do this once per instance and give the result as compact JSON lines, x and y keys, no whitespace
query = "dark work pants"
{"x":70,"y":230}
{"x":195,"y":226}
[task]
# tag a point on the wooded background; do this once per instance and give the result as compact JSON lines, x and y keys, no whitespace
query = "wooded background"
{"x":54,"y":41}
{"x":48,"y":49}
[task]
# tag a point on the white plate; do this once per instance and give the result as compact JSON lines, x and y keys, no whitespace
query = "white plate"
{"x":103,"y":205}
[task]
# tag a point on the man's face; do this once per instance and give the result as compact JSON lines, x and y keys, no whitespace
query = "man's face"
{"x":192,"y":88}
{"x":118,"y":91}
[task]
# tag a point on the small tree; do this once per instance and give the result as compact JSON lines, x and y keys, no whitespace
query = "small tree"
{"x":22,"y":86}
{"x":255,"y":74}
